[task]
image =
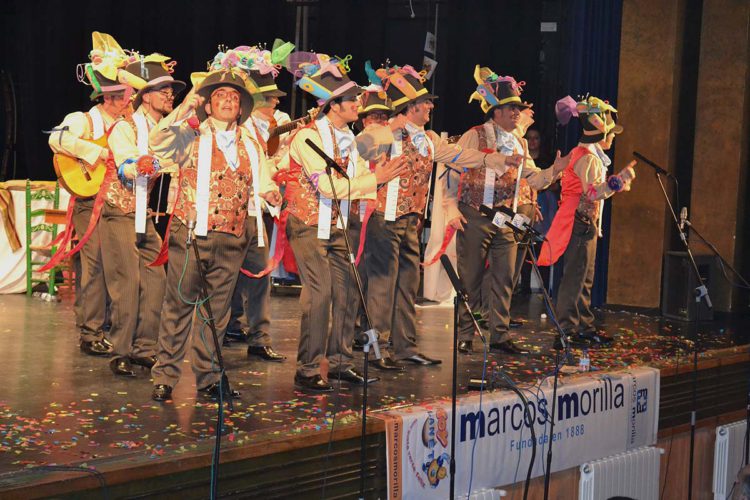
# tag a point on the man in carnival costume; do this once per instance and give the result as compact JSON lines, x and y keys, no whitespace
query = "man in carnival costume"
{"x":128,"y":236}
{"x":479,"y":240}
{"x":216,"y":158}
{"x":578,"y":222}
{"x":74,"y":137}
{"x":315,"y":233}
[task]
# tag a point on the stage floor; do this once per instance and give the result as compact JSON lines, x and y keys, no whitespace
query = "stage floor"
{"x":59,"y":406}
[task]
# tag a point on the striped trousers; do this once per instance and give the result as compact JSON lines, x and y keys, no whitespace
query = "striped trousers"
{"x":221,"y":255}
{"x":136,"y":290}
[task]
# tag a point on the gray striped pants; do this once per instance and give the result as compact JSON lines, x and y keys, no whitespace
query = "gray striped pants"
{"x":221,"y":255}
{"x":136,"y":290}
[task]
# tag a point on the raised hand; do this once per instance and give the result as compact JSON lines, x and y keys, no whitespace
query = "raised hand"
{"x":390,"y":169}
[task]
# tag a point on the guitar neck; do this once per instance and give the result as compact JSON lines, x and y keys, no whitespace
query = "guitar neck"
{"x":287,"y":127}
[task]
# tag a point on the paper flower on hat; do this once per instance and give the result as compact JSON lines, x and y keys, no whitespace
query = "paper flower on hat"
{"x":233,"y":62}
{"x":565,"y":109}
{"x":395,"y":75}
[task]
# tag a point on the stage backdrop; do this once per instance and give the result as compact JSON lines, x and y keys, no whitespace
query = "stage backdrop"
{"x":595,"y":416}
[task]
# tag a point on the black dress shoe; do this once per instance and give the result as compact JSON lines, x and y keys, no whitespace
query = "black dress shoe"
{"x":572,"y":340}
{"x":465,"y":346}
{"x":237,"y":335}
{"x":161,"y":392}
{"x":147,"y":361}
{"x":353,"y":376}
{"x":312,"y":384}
{"x":421,"y":359}
{"x":107,"y":343}
{"x":386,"y":364}
{"x":508,"y":347}
{"x":212,"y":391}
{"x":516,"y":322}
{"x":265,"y":352}
{"x":95,"y":348}
{"x":121,"y":367}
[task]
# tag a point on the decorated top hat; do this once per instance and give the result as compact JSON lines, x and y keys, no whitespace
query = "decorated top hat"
{"x":104,"y":72}
{"x":225,"y":71}
{"x":595,"y":115}
{"x":494,"y":91}
{"x":263,"y":65}
{"x":374,"y":98}
{"x":403,"y":84}
{"x":323,"y":76}
{"x":149,"y":72}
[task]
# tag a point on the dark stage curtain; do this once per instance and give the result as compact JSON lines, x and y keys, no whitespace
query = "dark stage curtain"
{"x":592,"y":59}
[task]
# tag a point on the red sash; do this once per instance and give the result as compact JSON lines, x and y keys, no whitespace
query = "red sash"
{"x":561,"y":228}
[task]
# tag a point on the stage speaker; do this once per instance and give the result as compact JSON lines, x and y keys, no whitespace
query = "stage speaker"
{"x":679,"y":284}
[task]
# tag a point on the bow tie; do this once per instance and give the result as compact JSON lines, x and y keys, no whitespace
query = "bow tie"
{"x":505,"y":141}
{"x":418,"y":138}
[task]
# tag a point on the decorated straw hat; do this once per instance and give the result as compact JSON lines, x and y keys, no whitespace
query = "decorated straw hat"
{"x":225,"y":70}
{"x":104,"y":72}
{"x":403,"y":84}
{"x":494,"y":90}
{"x":148,"y":72}
{"x":374,"y":98}
{"x":595,"y":115}
{"x":322,"y":76}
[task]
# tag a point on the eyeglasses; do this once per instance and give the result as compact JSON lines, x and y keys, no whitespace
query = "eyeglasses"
{"x":224,"y":95}
{"x":166,"y":94}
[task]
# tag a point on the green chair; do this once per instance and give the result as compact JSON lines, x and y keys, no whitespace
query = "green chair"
{"x":33,"y":195}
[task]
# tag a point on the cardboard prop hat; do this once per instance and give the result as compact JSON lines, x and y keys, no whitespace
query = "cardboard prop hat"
{"x":494,"y":90}
{"x":225,"y":71}
{"x":403,"y":84}
{"x":374,"y":98}
{"x":323,"y":76}
{"x":595,"y":115}
{"x":149,"y":72}
{"x":104,"y":72}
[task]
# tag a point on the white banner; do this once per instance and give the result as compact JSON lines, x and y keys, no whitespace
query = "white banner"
{"x":595,"y":416}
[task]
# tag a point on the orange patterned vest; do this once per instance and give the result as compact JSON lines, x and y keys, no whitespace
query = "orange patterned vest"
{"x":414,"y":185}
{"x":227,"y":205}
{"x":472,"y":182}
{"x":117,"y":194}
{"x":301,"y":193}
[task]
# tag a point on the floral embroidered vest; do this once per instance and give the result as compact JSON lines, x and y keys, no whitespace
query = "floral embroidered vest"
{"x":472,"y":182}
{"x":229,"y":189}
{"x":414,"y":185}
{"x":301,"y":193}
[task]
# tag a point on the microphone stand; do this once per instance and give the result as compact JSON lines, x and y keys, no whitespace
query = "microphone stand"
{"x":369,"y":338}
{"x":224,"y":389}
{"x":462,"y":296}
{"x":701,"y":293}
{"x":566,"y":348}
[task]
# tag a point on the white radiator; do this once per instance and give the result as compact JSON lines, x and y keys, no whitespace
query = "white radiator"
{"x":728,"y":457}
{"x":633,"y":474}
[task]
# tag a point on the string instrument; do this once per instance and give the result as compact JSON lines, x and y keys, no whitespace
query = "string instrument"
{"x":78,"y":177}
{"x":274,"y":134}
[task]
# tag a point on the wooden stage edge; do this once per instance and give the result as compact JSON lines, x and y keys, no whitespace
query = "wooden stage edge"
{"x":138,"y":467}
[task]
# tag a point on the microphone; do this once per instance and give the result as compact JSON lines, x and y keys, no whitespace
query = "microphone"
{"x":683,"y":218}
{"x":455,"y":280}
{"x":192,"y":215}
{"x":505,"y":217}
{"x":653,"y":165}
{"x":330,"y":163}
